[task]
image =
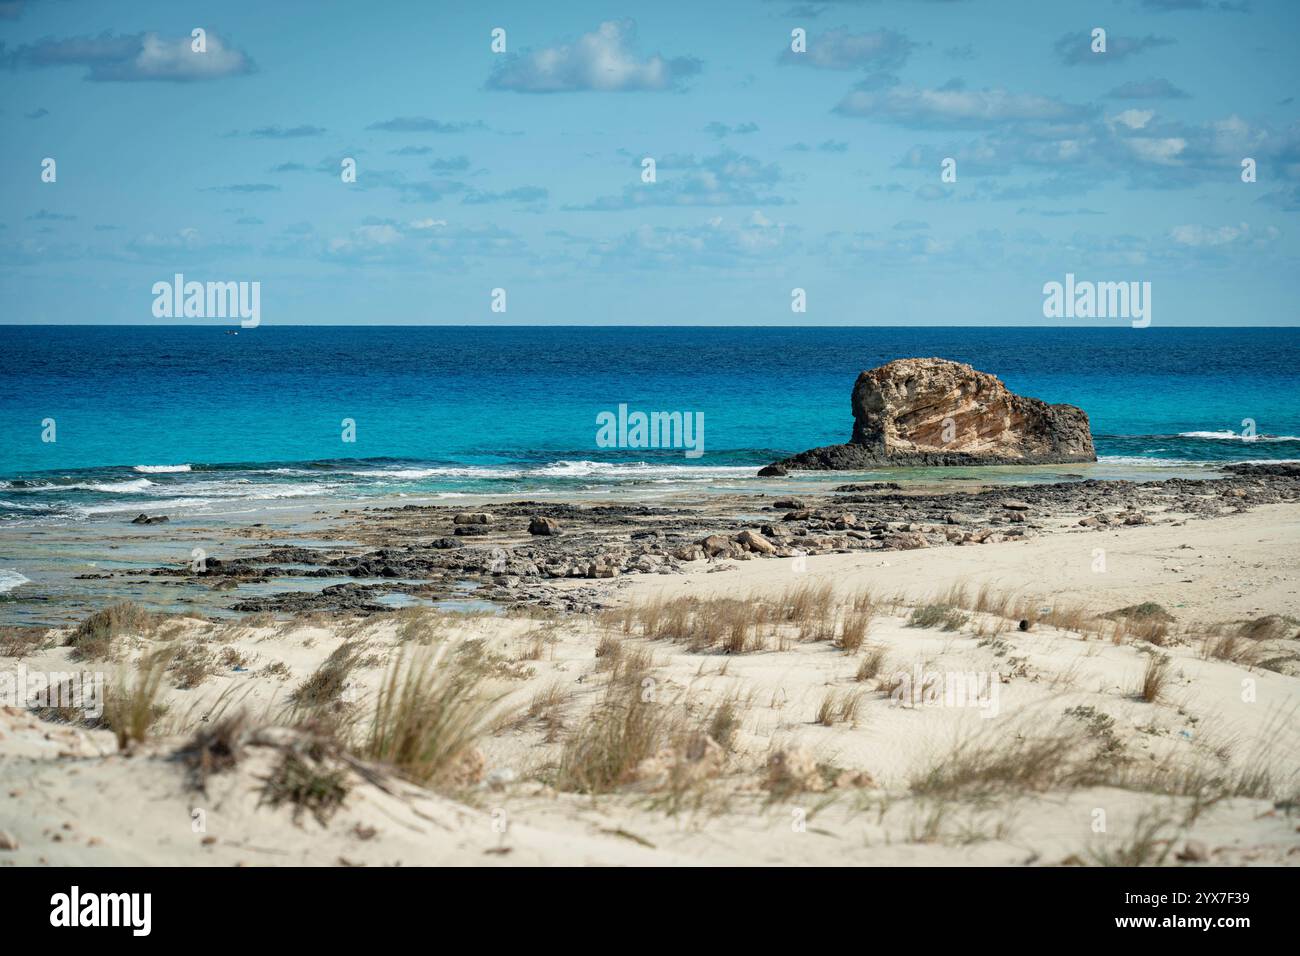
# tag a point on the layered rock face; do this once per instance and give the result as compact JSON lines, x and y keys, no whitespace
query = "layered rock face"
{"x":930,"y":411}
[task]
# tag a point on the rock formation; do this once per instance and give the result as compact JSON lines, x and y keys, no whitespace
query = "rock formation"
{"x":930,"y":411}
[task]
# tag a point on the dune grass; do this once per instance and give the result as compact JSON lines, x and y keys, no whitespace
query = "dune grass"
{"x":95,"y":637}
{"x":429,"y":712}
{"x":132,"y":704}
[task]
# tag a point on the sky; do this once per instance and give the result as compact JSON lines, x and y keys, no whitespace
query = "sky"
{"x":774,"y":169}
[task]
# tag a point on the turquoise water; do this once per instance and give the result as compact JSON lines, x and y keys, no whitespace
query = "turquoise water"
{"x":190,"y":418}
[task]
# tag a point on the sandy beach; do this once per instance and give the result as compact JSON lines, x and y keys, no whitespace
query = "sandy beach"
{"x":1122,"y":692}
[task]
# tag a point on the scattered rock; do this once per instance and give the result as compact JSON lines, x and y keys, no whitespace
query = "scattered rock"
{"x":145,"y":519}
{"x":543,"y":526}
{"x":715,"y":545}
{"x":755,"y":542}
{"x":472,"y":517}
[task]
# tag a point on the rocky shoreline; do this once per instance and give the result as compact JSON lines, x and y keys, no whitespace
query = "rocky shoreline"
{"x":569,"y":557}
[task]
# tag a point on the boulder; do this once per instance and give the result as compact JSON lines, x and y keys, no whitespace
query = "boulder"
{"x":906,"y":541}
{"x":715,"y":545}
{"x":472,"y":517}
{"x":754,"y":541}
{"x":145,"y":519}
{"x":541,"y":525}
{"x":931,"y":411}
{"x":772,"y":471}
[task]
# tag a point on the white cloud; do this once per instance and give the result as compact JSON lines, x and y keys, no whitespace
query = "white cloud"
{"x":1134,"y":119}
{"x":137,"y":57}
{"x":1206,"y":236}
{"x":603,"y":60}
{"x":842,"y":50}
{"x":955,"y":105}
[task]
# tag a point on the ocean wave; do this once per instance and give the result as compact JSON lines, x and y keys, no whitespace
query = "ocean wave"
{"x":419,"y":474}
{"x":637,"y":469}
{"x":160,"y":504}
{"x":1189,"y":462}
{"x":130,"y":487}
{"x":139,"y":486}
{"x":562,"y":468}
{"x":161,"y":469}
{"x":1233,"y":436}
{"x":1141,"y":460}
{"x":11,"y":579}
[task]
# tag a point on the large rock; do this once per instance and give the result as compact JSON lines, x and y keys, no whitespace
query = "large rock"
{"x":930,"y":411}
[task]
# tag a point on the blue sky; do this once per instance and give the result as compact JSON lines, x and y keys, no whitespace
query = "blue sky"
{"x":775,"y":170}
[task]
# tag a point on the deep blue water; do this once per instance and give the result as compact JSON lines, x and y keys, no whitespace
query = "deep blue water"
{"x":259,"y":414}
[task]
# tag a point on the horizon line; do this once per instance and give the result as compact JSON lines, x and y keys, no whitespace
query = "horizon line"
{"x":1121,"y":326}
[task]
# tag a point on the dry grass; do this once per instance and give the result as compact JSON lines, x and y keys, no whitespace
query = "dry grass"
{"x":731,"y":624}
{"x":631,"y":666}
{"x":1014,"y":607}
{"x":622,"y":731}
{"x":1147,"y":621}
{"x":131,"y":707}
{"x":549,"y":700}
{"x":429,"y":713}
{"x":853,"y":630}
{"x":998,"y":603}
{"x":723,"y":720}
{"x":809,"y":605}
{"x":214,"y":748}
{"x":538,"y":640}
{"x":873,"y":664}
{"x":1232,"y":647}
{"x":608,"y":647}
{"x":1071,"y":617}
{"x":22,"y":641}
{"x":1272,"y":627}
{"x":191,"y":665}
{"x":1149,"y":843}
{"x":94,"y":637}
{"x":1028,"y":761}
{"x":743,"y":625}
{"x":943,"y":616}
{"x":1154,"y":677}
{"x":1061,"y":758}
{"x":416,"y":625}
{"x":308,"y":783}
{"x":325,"y":685}
{"x":839,"y":708}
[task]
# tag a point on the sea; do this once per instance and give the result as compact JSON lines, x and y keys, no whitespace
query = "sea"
{"x":284,"y":427}
{"x":97,"y":422}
